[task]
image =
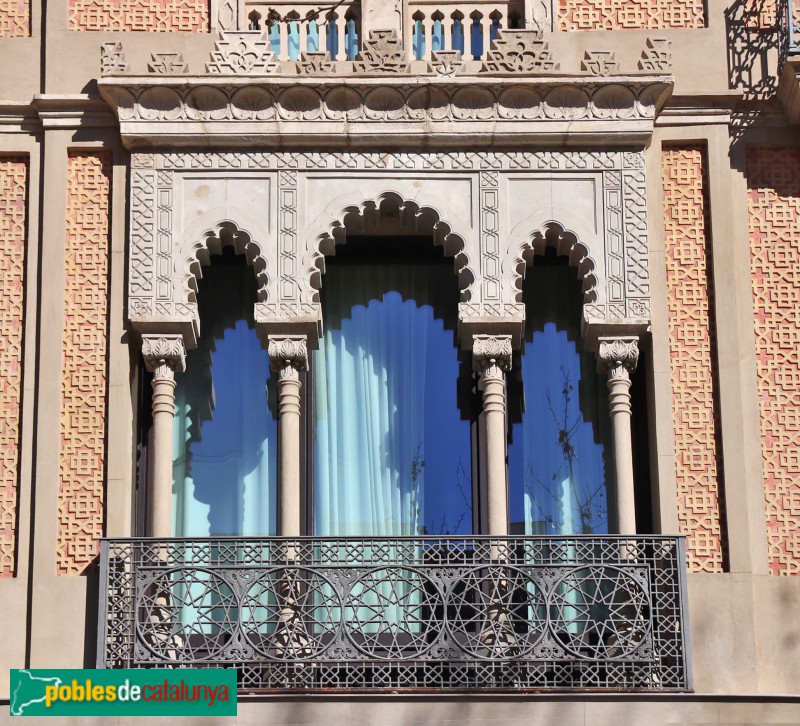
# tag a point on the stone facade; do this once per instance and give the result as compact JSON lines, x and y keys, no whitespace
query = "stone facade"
{"x":650,"y":153}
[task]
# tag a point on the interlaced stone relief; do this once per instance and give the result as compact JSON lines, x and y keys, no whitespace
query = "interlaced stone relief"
{"x":83,"y":382}
{"x":622,"y":14}
{"x":774,"y":203}
{"x":698,"y":465}
{"x":15,"y":18}
{"x":166,"y":16}
{"x":13,"y":186}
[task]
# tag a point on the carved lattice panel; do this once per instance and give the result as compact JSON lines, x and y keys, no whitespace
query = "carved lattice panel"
{"x":774,"y":203}
{"x":166,"y":16}
{"x":622,"y":14}
{"x":13,"y":186}
{"x":698,"y":466}
{"x":83,"y":381}
{"x":15,"y":18}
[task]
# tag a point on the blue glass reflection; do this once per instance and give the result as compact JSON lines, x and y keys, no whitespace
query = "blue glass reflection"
{"x":559,"y":458}
{"x":225,"y":442}
{"x":391,"y":450}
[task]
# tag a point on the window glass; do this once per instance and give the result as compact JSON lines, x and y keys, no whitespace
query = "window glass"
{"x":391,"y":447}
{"x":560,"y":460}
{"x":225,"y":443}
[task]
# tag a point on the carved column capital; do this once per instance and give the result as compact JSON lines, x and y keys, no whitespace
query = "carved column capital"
{"x":288,"y":355}
{"x":164,"y":355}
{"x":618,"y":356}
{"x":491,"y":355}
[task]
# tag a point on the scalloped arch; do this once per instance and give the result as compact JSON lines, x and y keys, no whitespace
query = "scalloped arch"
{"x":224,"y":233}
{"x":393,"y":210}
{"x":565,"y":242}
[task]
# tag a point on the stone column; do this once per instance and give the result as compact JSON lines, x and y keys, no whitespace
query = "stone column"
{"x":288,"y":355}
{"x":618,"y":356}
{"x":491,"y":358}
{"x":163,"y":355}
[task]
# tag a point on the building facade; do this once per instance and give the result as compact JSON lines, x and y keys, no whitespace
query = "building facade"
{"x":456,"y":344}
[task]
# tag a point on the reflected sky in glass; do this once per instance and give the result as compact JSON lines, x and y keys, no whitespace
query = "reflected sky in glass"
{"x":559,"y":458}
{"x":391,"y":448}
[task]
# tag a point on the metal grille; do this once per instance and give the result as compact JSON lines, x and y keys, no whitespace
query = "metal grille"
{"x":373,"y":614}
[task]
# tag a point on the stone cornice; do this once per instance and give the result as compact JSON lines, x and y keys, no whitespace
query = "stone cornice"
{"x":368,"y":111}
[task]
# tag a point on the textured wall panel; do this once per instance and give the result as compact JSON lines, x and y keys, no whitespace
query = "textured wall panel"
{"x":15,"y":18}
{"x":83,"y":382}
{"x":190,"y":16}
{"x":698,"y":466}
{"x":616,"y":14}
{"x":13,"y":186}
{"x":774,"y":201}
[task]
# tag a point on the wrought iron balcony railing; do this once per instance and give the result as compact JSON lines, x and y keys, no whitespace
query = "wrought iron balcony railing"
{"x":405,"y":613}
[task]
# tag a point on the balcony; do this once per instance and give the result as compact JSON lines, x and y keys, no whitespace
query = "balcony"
{"x":404,"y":613}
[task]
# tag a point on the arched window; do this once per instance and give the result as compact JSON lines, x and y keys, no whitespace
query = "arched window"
{"x":560,"y":461}
{"x":392,"y":447}
{"x":225,"y":442}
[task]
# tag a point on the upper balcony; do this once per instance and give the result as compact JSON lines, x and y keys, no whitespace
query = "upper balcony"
{"x":415,"y":614}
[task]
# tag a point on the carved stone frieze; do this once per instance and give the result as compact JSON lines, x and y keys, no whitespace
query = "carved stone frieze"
{"x":288,"y":355}
{"x":618,"y":356}
{"x":167,"y":63}
{"x":164,"y":355}
{"x":112,"y":59}
{"x":600,"y":62}
{"x":657,"y":56}
{"x":446,"y":62}
{"x":245,"y":52}
{"x":315,"y":63}
{"x":519,"y":51}
{"x":382,"y":52}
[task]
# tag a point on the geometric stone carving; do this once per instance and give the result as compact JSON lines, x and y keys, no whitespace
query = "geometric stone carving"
{"x":246,"y":52}
{"x":630,"y":14}
{"x":600,"y":62}
{"x":692,"y":354}
{"x":167,"y":63}
{"x":13,"y":185}
{"x":381,"y":53}
{"x":446,"y":62}
{"x":519,"y":51}
{"x":315,"y":64}
{"x":657,"y":56}
{"x":774,"y":202}
{"x":15,"y":19}
{"x":112,"y":59}
{"x":162,"y":16}
{"x":83,"y":383}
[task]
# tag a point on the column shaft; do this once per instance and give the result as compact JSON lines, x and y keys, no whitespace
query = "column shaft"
{"x":161,"y":491}
{"x":289,"y":442}
{"x":619,"y":395}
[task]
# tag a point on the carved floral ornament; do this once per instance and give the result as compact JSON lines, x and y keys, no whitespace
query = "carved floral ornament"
{"x":618,"y":356}
{"x":164,"y":354}
{"x":288,"y":355}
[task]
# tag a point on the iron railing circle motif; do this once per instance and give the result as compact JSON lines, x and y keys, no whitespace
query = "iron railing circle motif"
{"x":186,"y":613}
{"x":599,"y":612}
{"x":386,"y":612}
{"x":490,"y":611}
{"x":290,"y":613}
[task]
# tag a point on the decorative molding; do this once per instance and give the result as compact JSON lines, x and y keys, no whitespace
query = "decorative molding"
{"x":288,"y":354}
{"x":618,"y":356}
{"x":112,"y":59}
{"x":773,"y":178}
{"x":164,"y":355}
{"x":245,"y":52}
{"x":81,"y":492}
{"x":519,"y":51}
{"x":315,"y":64}
{"x":167,"y":63}
{"x":491,"y":355}
{"x":600,"y":62}
{"x":446,"y":62}
{"x":657,"y":56}
{"x":382,"y":52}
{"x":630,"y":14}
{"x":15,"y":19}
{"x":687,"y":250}
{"x":154,"y":16}
{"x":13,"y":221}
